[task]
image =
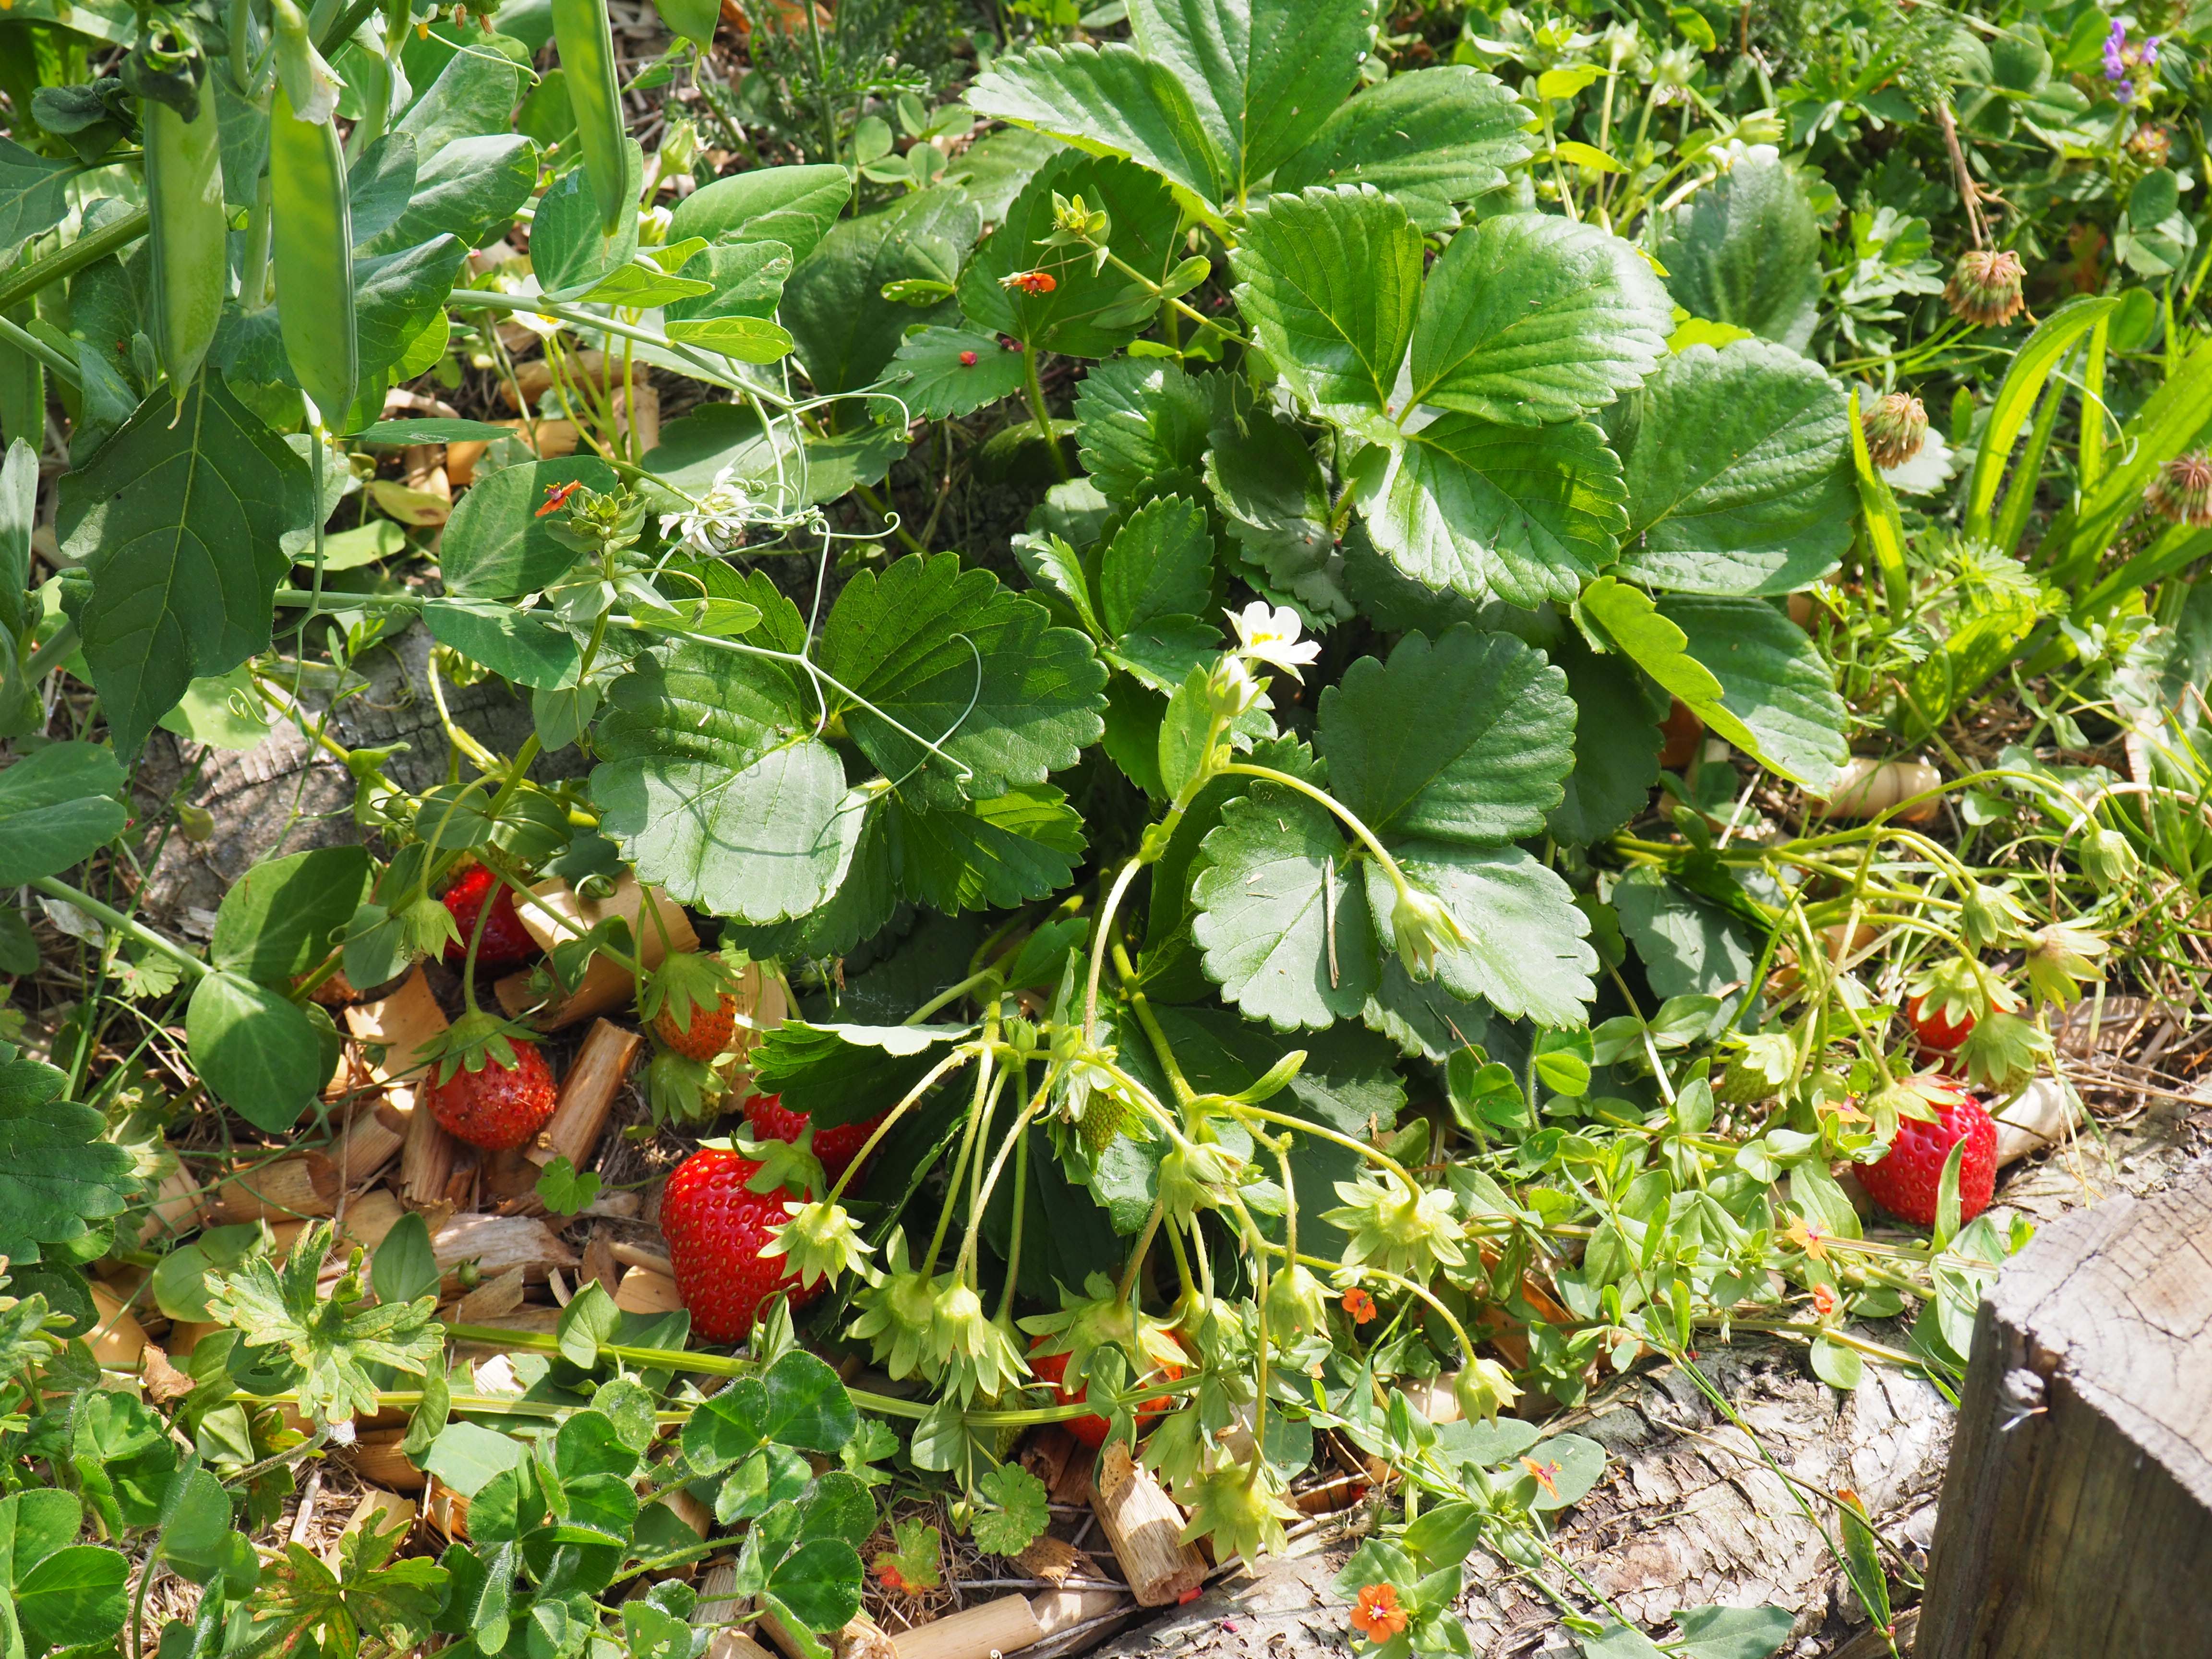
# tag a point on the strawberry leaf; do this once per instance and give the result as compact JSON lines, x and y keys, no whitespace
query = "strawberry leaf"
{"x":57,"y":1174}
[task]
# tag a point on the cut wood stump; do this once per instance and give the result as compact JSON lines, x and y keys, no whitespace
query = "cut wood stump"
{"x":1145,"y":1529}
{"x":2077,"y":1515}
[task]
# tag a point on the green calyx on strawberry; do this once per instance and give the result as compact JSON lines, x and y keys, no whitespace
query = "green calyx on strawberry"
{"x":691,"y":1000}
{"x":778,"y":1165}
{"x":682,"y":1090}
{"x":1908,"y":1180}
{"x":719,"y":1212}
{"x":898,"y":1314}
{"x":1100,"y":1320}
{"x":490,"y":1085}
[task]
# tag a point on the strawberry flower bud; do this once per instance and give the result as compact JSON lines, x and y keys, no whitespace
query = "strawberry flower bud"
{"x":1296,"y":1304}
{"x":1422,"y":926}
{"x":824,"y":1241}
{"x":1484,"y":1388}
{"x":2107,"y":857}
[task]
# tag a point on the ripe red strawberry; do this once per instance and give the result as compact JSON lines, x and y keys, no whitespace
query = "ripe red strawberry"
{"x":1936,"y":1034}
{"x":1092,"y":1430}
{"x":706,"y":1033}
{"x":771,"y":1119}
{"x":1906,"y":1181}
{"x":499,"y":1108}
{"x":715,"y":1227}
{"x":505,"y":941}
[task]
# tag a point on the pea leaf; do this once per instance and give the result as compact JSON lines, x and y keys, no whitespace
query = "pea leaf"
{"x":57,"y":1175}
{"x":1141,"y":427}
{"x":1330,"y":281}
{"x":255,"y":1048}
{"x":1763,"y":502}
{"x":834,"y":303}
{"x":1433,"y":138}
{"x":1088,"y":310}
{"x":327,"y":1342}
{"x":1518,"y":513}
{"x":177,"y":519}
{"x":1531,"y":319}
{"x":1716,"y":1632}
{"x":931,"y":651}
{"x":58,"y":805}
{"x":1466,"y":740}
{"x":941,"y":372}
{"x":34,"y":193}
{"x":277,"y":919}
{"x":495,"y":546}
{"x":795,"y":206}
{"x":1746,"y":250}
{"x":744,"y":279}
{"x":1281,"y":916}
{"x":465,"y":188}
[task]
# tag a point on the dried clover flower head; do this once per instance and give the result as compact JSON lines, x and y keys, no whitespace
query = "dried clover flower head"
{"x":1984,"y":289}
{"x":1895,"y":427}
{"x":2181,"y":490}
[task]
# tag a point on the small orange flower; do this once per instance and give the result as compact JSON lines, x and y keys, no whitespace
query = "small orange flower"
{"x":1546,"y":1475}
{"x":1377,"y":1615}
{"x":1030,"y":281}
{"x":557,"y":496}
{"x":1811,"y":1240}
{"x":967,"y":360}
{"x":1824,"y":1300}
{"x":1359,"y":1305}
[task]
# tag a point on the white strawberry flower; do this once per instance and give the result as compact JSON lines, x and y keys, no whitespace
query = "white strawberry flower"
{"x":1271,"y":636}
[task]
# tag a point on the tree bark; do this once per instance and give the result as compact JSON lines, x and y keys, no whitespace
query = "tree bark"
{"x":2076,"y":1517}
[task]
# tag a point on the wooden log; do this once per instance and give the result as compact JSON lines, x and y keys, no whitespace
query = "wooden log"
{"x":376,"y":1458}
{"x":2077,"y":1515}
{"x":561,"y":914}
{"x":119,"y":1341}
{"x":391,"y":1031}
{"x":179,"y":1205}
{"x":1145,"y":1528}
{"x":370,"y":1141}
{"x":280,"y":1189}
{"x":1063,"y":1609}
{"x":643,"y":1255}
{"x":1062,"y":1462}
{"x":1004,"y":1626}
{"x":498,"y":1243}
{"x":491,"y":1299}
{"x":644,"y":1292}
{"x":587,"y":1096}
{"x":426,"y":1160}
{"x":1868,"y":788}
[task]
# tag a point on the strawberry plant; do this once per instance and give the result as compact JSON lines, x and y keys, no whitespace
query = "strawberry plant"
{"x":1384,"y":850}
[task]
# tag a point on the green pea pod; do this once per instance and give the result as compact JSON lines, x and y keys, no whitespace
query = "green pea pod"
{"x":312,"y":247}
{"x":587,"y":53}
{"x":191,"y":234}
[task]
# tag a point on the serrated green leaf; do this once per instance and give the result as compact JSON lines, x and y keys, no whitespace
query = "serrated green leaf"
{"x":1763,"y":502}
{"x":1532,"y":318}
{"x":1280,"y":914}
{"x":58,"y":805}
{"x":1275,"y":502}
{"x":1021,"y":1512}
{"x":1160,"y":563}
{"x":1688,"y":946}
{"x":178,"y":519}
{"x":1330,"y":281}
{"x":1423,"y":1017}
{"x":952,"y":657}
{"x":57,"y":1174}
{"x":934,"y":381}
{"x":1433,"y":138}
{"x":1091,"y":310}
{"x":1617,"y":740}
{"x":998,"y":853}
{"x":1746,"y":250}
{"x":1773,"y":682}
{"x":1527,"y":956}
{"x":841,"y":1074}
{"x":1107,"y":100}
{"x":1466,"y":740}
{"x":1140,"y":428}
{"x":1522,"y":514}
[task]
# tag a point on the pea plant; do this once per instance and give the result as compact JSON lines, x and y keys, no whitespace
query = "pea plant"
{"x":1316,"y":908}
